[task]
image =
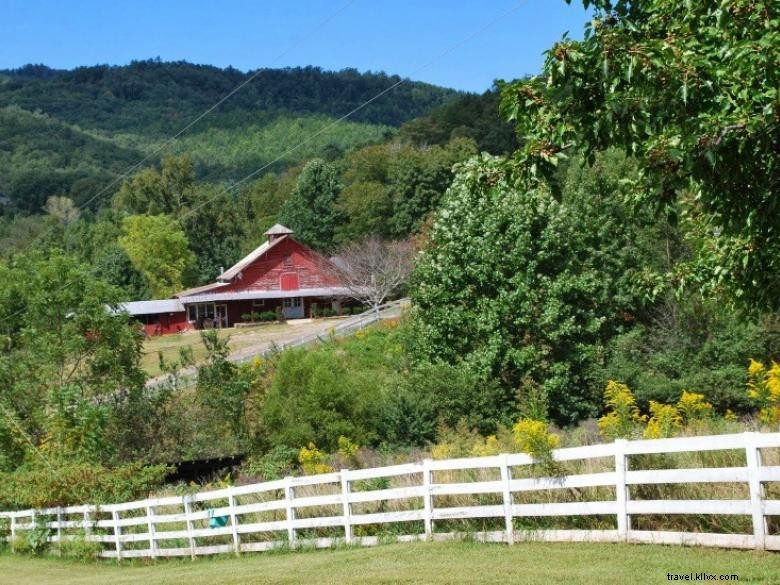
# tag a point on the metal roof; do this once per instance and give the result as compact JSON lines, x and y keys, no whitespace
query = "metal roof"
{"x":152,"y":307}
{"x":267,"y":294}
{"x":231,"y":272}
{"x":200,"y":289}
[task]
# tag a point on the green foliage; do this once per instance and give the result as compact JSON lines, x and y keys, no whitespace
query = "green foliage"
{"x":222,"y":388}
{"x":41,"y":156}
{"x":79,"y":548}
{"x":337,"y":389}
{"x":136,"y":97}
{"x":275,"y":464}
{"x":690,"y":89}
{"x":66,"y":483}
{"x":689,"y":344}
{"x":516,"y":285}
{"x":154,"y":192}
{"x":310,"y":211}
{"x":69,"y":373}
{"x":34,"y":541}
{"x":92,"y":123}
{"x":158,"y":249}
{"x":469,"y":116}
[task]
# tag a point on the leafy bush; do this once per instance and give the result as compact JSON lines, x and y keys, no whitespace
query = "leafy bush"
{"x":275,"y":464}
{"x":79,"y":548}
{"x":695,"y":346}
{"x":339,"y":388}
{"x":34,"y":541}
{"x":266,"y":316}
{"x":72,"y":483}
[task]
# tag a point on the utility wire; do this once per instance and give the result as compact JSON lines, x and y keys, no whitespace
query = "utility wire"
{"x":503,"y":15}
{"x":205,"y":113}
{"x":331,"y":125}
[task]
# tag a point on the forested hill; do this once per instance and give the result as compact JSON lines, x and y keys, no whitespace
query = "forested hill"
{"x":156,"y":97}
{"x":69,"y":132}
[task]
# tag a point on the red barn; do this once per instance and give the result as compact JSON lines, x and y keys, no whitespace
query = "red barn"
{"x":282,"y":276}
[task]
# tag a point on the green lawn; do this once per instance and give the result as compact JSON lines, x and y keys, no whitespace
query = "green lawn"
{"x":169,"y":345}
{"x":531,"y":563}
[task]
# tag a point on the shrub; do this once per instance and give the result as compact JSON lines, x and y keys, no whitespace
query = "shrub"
{"x":247,"y":317}
{"x":70,"y":483}
{"x":338,"y":389}
{"x":275,"y":464}
{"x":266,"y":316}
{"x":79,"y":548}
{"x":34,"y":541}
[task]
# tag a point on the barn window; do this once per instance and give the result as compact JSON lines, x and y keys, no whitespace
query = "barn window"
{"x":192,"y":312}
{"x":258,"y":303}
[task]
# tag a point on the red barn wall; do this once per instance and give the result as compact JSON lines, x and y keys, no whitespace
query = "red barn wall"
{"x":288,"y":257}
{"x":165,"y":323}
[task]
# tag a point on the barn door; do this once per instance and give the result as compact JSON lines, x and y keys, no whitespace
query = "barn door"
{"x":293,"y":308}
{"x":289,"y":281}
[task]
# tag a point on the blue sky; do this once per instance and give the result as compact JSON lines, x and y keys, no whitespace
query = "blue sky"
{"x":396,"y":36}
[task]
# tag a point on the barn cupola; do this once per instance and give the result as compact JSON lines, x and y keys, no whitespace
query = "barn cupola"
{"x":277,"y":231}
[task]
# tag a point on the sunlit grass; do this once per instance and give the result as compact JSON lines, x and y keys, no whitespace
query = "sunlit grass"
{"x":465,"y":562}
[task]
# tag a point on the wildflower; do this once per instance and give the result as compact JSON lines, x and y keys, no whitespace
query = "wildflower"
{"x":486,"y":447}
{"x":532,"y":437}
{"x":623,"y":415}
{"x":692,"y":406}
{"x":313,"y":461}
{"x":764,"y":389}
{"x":665,"y":421}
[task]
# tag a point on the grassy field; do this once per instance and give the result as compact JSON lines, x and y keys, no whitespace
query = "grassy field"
{"x":240,"y":338}
{"x":463,"y":562}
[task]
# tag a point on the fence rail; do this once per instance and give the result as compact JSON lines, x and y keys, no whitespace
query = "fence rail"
{"x":323,"y":510}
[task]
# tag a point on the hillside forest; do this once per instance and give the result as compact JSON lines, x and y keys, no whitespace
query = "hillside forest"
{"x":596,"y":254}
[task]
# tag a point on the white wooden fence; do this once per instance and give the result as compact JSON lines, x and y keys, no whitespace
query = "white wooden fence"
{"x":285,"y":513}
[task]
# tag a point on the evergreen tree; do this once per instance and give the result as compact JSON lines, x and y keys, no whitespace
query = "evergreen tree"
{"x":310,"y":211}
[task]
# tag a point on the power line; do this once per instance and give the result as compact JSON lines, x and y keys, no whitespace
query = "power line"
{"x":205,"y":113}
{"x":330,"y":125}
{"x":355,"y":110}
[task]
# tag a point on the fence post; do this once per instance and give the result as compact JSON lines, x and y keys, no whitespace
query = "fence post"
{"x":13,"y":531}
{"x":234,"y":521}
{"x":289,"y":494}
{"x":86,"y":523}
{"x":753,"y":455}
{"x":187,"y":500}
{"x":428,"y":499}
{"x":621,"y":490}
{"x":506,"y":479}
{"x":150,"y":524}
{"x":59,"y":529}
{"x":346,"y":506}
{"x":117,"y":535}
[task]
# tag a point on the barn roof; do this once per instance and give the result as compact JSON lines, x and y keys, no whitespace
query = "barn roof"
{"x":152,"y":307}
{"x":268,"y":294}
{"x":231,"y":272}
{"x":200,"y":289}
